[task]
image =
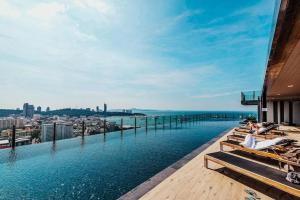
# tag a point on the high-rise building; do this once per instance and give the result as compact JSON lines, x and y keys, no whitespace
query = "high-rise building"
{"x":39,"y":109}
{"x":97,"y":109}
{"x":28,"y":110}
{"x":105,"y":108}
{"x":47,"y":109}
{"x":63,"y":131}
{"x":25,"y":107}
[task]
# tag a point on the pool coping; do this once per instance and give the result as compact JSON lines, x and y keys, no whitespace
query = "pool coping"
{"x":149,"y":184}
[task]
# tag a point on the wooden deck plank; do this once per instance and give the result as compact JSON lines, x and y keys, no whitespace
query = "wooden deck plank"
{"x":235,"y":145}
{"x":268,"y":175}
{"x":194,"y":181}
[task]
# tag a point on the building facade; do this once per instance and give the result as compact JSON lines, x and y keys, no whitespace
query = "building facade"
{"x":28,"y":110}
{"x":63,"y":131}
{"x":39,"y":109}
{"x":105,"y":108}
{"x":8,"y":122}
{"x":280,"y":98}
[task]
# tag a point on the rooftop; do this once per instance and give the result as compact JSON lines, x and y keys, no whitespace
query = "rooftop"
{"x":282,"y":73}
{"x":194,"y":181}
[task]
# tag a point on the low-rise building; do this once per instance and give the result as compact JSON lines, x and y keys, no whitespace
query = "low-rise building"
{"x":8,"y":122}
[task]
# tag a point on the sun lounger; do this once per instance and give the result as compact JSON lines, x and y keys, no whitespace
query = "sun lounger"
{"x":267,"y":135}
{"x":261,"y":136}
{"x":262,"y":130}
{"x":251,"y":142}
{"x":273,"y":153}
{"x":262,"y":173}
{"x":241,"y":137}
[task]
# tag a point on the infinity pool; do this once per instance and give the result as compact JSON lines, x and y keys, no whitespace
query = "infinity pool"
{"x":98,"y":167}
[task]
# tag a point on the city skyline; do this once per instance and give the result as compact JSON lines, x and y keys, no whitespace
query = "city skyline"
{"x":170,"y":55}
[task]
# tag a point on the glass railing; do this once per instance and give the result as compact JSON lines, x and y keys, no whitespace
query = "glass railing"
{"x":102,"y":125}
{"x":250,"y":97}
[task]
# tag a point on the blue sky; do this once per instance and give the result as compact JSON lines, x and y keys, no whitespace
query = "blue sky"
{"x":186,"y":55}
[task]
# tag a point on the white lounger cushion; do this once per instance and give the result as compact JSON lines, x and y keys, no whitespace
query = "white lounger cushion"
{"x":267,"y":143}
{"x":250,"y":142}
{"x":261,"y":130}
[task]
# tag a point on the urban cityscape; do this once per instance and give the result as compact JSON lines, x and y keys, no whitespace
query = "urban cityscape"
{"x":35,"y":126}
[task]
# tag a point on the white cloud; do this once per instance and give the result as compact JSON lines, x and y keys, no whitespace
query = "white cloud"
{"x":213,"y":95}
{"x":8,"y":10}
{"x":171,"y":22}
{"x":174,"y":78}
{"x":99,"y":5}
{"x":139,"y":53}
{"x":47,"y":11}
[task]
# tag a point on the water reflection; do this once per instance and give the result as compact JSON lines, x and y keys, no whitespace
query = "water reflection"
{"x":82,"y":143}
{"x":121,"y":135}
{"x":104,"y":137}
{"x":12,"y":157}
{"x":53,"y":149}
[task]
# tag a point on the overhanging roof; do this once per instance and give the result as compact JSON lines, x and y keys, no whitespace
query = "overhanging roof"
{"x":282,"y":78}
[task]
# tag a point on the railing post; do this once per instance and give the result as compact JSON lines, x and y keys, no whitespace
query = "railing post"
{"x":155,"y":122}
{"x":176,"y":118}
{"x":181,"y":119}
{"x":135,"y":123}
{"x":104,"y":126}
{"x":170,"y":121}
{"x":13,"y":138}
{"x":163,"y":122}
{"x":54,"y":132}
{"x":83,"y":129}
{"x":121,"y":123}
{"x":146,"y":123}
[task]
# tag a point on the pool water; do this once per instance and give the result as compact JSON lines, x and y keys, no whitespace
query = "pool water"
{"x":98,"y":167}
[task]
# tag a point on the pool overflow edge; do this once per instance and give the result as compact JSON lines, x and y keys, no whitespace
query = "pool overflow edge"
{"x":187,"y":119}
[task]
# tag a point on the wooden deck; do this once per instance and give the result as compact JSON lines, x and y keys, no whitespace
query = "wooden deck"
{"x":194,"y":181}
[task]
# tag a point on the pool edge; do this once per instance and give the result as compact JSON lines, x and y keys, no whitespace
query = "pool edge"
{"x":149,"y":184}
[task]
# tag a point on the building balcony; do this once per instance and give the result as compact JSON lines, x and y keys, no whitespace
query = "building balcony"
{"x":250,"y":97}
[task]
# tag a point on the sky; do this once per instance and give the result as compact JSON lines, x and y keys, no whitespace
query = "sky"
{"x":171,"y":54}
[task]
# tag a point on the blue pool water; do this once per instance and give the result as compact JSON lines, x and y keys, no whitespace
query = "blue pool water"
{"x":98,"y":167}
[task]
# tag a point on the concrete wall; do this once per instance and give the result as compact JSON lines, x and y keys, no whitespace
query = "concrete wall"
{"x":278,"y":111}
{"x":286,"y":111}
{"x":296,"y":112}
{"x":270,"y":116}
